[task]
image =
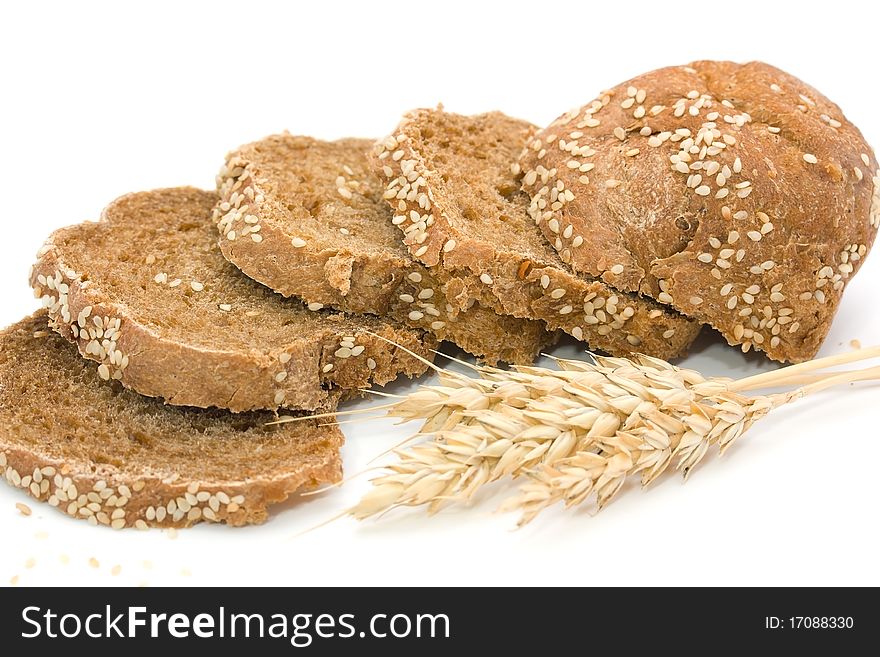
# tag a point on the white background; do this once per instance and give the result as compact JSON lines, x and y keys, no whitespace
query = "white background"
{"x":100,"y":99}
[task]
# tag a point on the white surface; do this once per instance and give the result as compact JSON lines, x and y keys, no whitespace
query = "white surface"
{"x":106,"y":98}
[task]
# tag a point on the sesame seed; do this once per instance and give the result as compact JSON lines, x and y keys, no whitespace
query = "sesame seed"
{"x":225,"y":307}
{"x":281,"y":376}
{"x":175,"y":282}
{"x":196,"y":286}
{"x":416,"y":315}
{"x":866,"y":159}
{"x":371,"y":364}
{"x":486,"y":279}
{"x":617,"y":269}
{"x":703,"y":190}
{"x":256,"y":237}
{"x":415,"y":277}
{"x":810,"y":158}
{"x":449,"y":246}
{"x":558,"y":293}
{"x":23,"y":509}
{"x":314,"y":306}
{"x":545,"y":281}
{"x":611,"y":183}
{"x":298,"y":242}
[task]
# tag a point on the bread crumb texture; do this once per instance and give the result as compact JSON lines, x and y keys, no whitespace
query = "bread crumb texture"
{"x":327,"y":237}
{"x":106,"y":455}
{"x":147,"y":294}
{"x":453,"y":185}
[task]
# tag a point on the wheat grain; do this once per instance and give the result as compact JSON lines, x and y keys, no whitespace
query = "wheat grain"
{"x":576,"y":431}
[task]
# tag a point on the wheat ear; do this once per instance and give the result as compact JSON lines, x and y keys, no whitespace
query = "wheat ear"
{"x":578,"y":430}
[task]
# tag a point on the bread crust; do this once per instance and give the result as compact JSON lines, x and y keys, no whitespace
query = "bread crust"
{"x":530,"y":285}
{"x":736,"y":194}
{"x":370,"y":276}
{"x":187,"y":374}
{"x":106,"y":494}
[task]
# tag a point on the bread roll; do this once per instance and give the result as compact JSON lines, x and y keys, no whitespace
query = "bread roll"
{"x":737,"y":194}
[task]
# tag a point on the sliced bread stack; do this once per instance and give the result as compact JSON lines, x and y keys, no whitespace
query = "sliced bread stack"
{"x":178,"y":327}
{"x":101,"y":453}
{"x":307,"y":218}
{"x":453,"y":185}
{"x":165,"y":416}
{"x":147,"y":293}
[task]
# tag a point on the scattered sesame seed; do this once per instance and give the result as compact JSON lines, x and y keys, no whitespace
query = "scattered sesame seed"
{"x":23,"y":508}
{"x":175,"y":282}
{"x":197,"y":286}
{"x":617,"y":269}
{"x":486,"y":279}
{"x":298,"y":242}
{"x":225,"y":307}
{"x":327,"y":368}
{"x":810,"y":158}
{"x":315,"y":306}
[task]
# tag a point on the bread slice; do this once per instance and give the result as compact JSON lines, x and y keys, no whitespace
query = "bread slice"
{"x":454,"y":186}
{"x":307,"y":218}
{"x":735,"y":193}
{"x":147,"y":293}
{"x":110,"y":456}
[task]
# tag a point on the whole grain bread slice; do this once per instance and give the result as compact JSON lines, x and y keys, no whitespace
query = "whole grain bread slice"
{"x":454,"y":186}
{"x":112,"y":457}
{"x":307,"y":218}
{"x":147,"y":293}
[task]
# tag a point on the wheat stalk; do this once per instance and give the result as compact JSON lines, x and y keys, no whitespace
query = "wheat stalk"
{"x":577,"y":431}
